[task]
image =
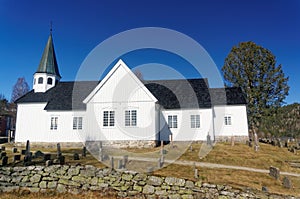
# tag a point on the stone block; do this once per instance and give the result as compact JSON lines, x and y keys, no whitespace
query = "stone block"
{"x":4,"y":160}
{"x":14,"y":150}
{"x":17,"y":157}
{"x":76,"y":156}
{"x":287,"y":183}
{"x":2,"y":154}
{"x":274,"y":172}
{"x":148,"y":189}
{"x":156,"y":181}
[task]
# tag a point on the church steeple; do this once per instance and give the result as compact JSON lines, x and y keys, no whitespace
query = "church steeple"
{"x":47,"y":74}
{"x":48,"y":63}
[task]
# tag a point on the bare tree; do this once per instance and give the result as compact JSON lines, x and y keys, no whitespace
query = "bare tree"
{"x":19,"y":89}
{"x":139,"y":74}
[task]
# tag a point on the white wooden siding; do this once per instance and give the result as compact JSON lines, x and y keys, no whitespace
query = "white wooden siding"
{"x":33,"y":124}
{"x":144,"y":130}
{"x":184,"y":132}
{"x":239,"y":123}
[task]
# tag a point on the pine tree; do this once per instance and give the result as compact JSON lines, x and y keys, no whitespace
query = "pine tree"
{"x":253,"y":68}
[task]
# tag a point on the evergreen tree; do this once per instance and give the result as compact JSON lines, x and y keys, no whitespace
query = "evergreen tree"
{"x":253,"y":68}
{"x":19,"y":89}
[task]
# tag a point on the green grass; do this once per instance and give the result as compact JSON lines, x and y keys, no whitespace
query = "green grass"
{"x":222,"y":153}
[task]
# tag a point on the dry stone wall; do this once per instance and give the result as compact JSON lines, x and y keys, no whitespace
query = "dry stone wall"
{"x":77,"y":179}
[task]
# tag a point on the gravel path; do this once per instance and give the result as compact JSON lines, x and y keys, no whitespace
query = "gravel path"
{"x":208,"y":165}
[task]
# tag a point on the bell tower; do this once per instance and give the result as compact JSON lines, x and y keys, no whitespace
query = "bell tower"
{"x":47,"y":74}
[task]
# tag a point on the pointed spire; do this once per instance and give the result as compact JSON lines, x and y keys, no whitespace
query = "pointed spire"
{"x":48,"y":63}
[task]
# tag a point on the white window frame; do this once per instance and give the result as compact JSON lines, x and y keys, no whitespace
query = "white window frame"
{"x":108,"y":119}
{"x":130,"y":118}
{"x":228,"y":120}
{"x":54,"y":123}
{"x":173,"y":121}
{"x":77,"y":122}
{"x":195,"y":121}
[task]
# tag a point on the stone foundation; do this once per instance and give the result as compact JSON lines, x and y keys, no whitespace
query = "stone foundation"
{"x":115,"y":144}
{"x":123,"y":143}
{"x":241,"y":139}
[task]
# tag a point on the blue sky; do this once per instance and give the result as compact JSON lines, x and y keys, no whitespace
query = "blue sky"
{"x":79,"y":26}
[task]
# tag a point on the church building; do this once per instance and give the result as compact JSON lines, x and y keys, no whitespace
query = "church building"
{"x":122,"y":108}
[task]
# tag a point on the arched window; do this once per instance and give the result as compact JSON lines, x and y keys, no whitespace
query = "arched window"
{"x":49,"y":81}
{"x":34,"y":81}
{"x":40,"y":80}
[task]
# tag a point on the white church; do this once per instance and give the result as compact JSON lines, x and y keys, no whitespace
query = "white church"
{"x":122,"y":108}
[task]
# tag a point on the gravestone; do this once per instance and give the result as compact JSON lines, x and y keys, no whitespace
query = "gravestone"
{"x":14,"y":150}
{"x":61,"y":160}
{"x":2,"y":154}
{"x":208,"y":140}
{"x":250,"y":144}
{"x":191,"y":148}
{"x":4,"y":160}
{"x":196,"y":174}
{"x":274,"y":172}
{"x":38,"y":154}
{"x":17,"y":157}
{"x":100,"y":155}
{"x":161,"y":147}
{"x":58,"y":150}
{"x":264,"y":189}
{"x":47,"y":156}
{"x":232,"y":140}
{"x":84,"y":151}
{"x":120,"y":164}
{"x":171,"y":140}
{"x":125,"y":160}
{"x":28,"y":154}
{"x":48,"y":163}
{"x":112,"y":162}
{"x":159,"y":165}
{"x":287,"y":183}
{"x":23,"y":151}
{"x":76,"y":156}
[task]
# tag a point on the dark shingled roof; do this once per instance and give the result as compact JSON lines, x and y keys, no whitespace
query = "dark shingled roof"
{"x":192,"y":93}
{"x":180,"y":93}
{"x":61,"y":97}
{"x":171,"y":94}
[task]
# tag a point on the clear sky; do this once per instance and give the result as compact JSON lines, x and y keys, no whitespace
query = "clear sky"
{"x":80,"y":25}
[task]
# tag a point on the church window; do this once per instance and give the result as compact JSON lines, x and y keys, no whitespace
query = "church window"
{"x":77,"y":123}
{"x":227,"y":120}
{"x":195,"y":121}
{"x":172,"y":121}
{"x":130,"y":118}
{"x":49,"y":81}
{"x":40,"y":80}
{"x":54,"y":123}
{"x":108,"y":118}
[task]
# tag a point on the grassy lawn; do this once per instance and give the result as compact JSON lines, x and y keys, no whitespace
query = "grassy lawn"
{"x":242,"y":155}
{"x":222,"y":153}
